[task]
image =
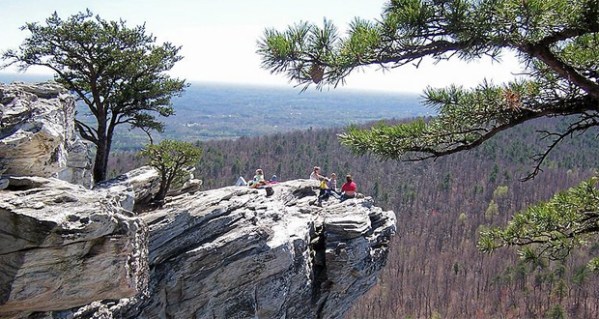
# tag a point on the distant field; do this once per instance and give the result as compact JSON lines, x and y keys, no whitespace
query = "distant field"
{"x":216,"y":111}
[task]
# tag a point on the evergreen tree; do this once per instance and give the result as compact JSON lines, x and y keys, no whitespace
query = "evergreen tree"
{"x":117,"y":71}
{"x":557,"y":43}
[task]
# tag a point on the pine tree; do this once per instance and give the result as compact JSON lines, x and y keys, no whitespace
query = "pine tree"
{"x":117,"y":71}
{"x":557,"y":43}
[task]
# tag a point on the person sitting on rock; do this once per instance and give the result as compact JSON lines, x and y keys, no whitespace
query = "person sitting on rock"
{"x":256,"y":182}
{"x":241,"y":182}
{"x":349,"y":188}
{"x":258,"y":179}
{"x":332,"y":186}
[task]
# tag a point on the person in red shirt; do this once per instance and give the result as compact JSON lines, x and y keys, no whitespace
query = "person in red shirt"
{"x":349,"y":188}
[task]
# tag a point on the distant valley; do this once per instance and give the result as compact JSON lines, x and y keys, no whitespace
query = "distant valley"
{"x":218,"y":111}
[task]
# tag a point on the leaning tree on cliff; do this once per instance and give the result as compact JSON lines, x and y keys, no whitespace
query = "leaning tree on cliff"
{"x":557,"y":42}
{"x":117,"y":71}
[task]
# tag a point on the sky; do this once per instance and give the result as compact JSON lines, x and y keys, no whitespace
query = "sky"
{"x":219,"y":38}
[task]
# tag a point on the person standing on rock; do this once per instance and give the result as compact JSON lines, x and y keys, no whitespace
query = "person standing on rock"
{"x":315,"y":176}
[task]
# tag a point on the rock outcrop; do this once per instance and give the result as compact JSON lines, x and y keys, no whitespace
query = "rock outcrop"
{"x":139,"y":186}
{"x":226,"y":253}
{"x":70,"y":252}
{"x":236,"y":253}
{"x":37,"y":133}
{"x":62,"y":246}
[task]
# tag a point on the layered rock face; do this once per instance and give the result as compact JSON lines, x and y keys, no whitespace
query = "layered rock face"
{"x":62,"y":246}
{"x":236,"y":253}
{"x":227,"y":253}
{"x":37,"y":136}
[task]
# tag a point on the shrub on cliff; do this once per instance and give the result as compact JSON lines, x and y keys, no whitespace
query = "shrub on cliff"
{"x":170,"y":158}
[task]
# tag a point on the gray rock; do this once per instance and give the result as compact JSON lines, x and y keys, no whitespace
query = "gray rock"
{"x":63,"y":246}
{"x":79,"y":158}
{"x":188,"y":185}
{"x":235,"y":253}
{"x":37,"y":132}
{"x":138,"y":186}
{"x":228,"y":253}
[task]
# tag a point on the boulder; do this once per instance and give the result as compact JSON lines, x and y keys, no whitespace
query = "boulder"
{"x":37,"y":132}
{"x":139,"y":186}
{"x":64,"y":246}
{"x":135,"y":187}
{"x":190,"y":184}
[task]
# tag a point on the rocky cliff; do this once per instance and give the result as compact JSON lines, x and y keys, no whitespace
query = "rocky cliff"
{"x":226,"y":253}
{"x":236,"y":253}
{"x":70,"y":252}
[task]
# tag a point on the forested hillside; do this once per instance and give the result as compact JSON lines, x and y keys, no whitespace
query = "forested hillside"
{"x":436,"y":270}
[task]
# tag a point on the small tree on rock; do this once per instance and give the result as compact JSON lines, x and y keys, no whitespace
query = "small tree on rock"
{"x":170,"y":158}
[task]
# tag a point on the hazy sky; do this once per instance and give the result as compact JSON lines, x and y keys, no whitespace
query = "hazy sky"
{"x":219,"y":37}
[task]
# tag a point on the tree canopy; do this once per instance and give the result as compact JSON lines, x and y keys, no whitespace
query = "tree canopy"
{"x":556,"y":42}
{"x":117,"y":71}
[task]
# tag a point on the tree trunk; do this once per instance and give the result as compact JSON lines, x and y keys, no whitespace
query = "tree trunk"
{"x":102,"y":153}
{"x":164,"y":186}
{"x":100,"y":161}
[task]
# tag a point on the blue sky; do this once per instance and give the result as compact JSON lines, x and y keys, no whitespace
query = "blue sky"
{"x":219,"y":38}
